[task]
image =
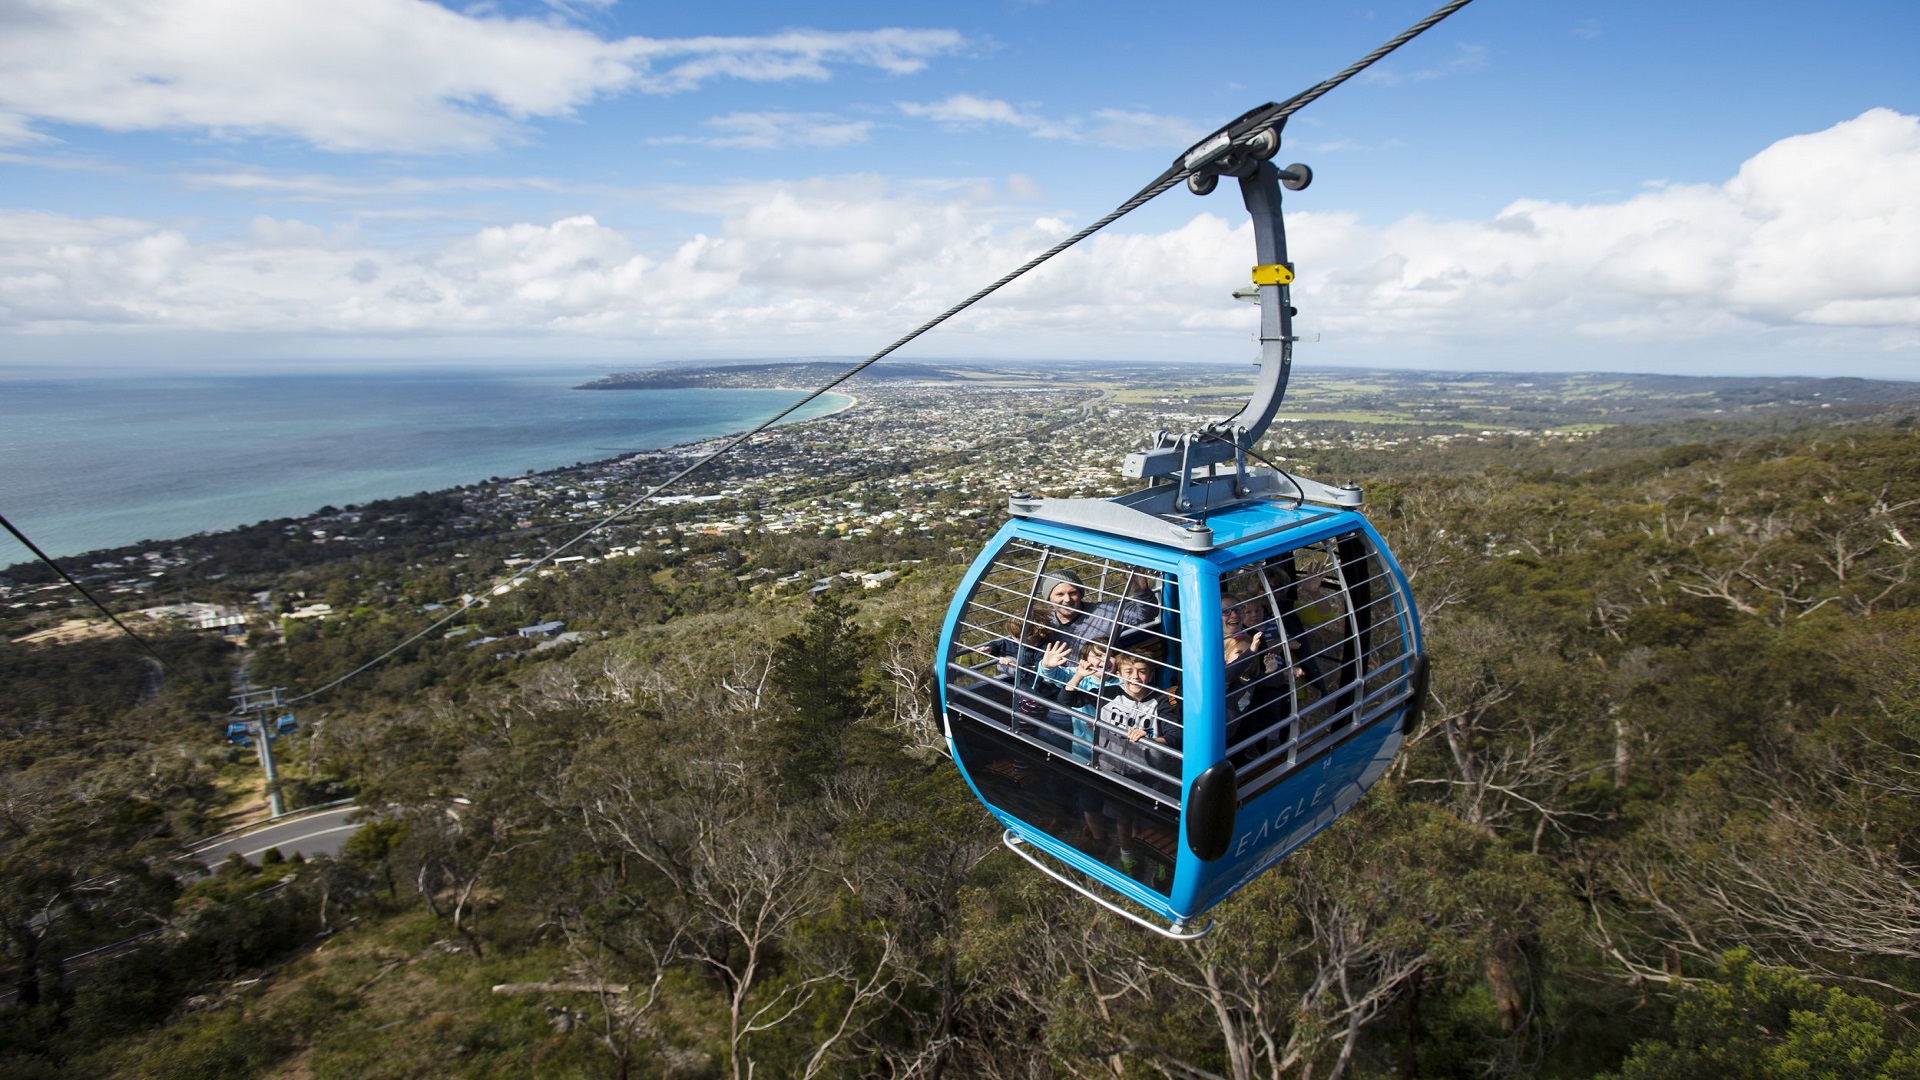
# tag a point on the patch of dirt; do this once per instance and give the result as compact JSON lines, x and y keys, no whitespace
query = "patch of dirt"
{"x":247,"y":802}
{"x":68,"y":632}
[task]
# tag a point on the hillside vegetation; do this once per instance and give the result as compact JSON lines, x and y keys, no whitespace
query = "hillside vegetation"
{"x":1661,"y":819}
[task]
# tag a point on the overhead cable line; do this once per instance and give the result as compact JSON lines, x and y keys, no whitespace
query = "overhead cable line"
{"x":95,"y":601}
{"x":1307,"y":97}
{"x":1264,"y":116}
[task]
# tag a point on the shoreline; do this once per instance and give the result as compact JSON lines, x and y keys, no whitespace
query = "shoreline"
{"x":853,"y":400}
{"x":848,"y":402}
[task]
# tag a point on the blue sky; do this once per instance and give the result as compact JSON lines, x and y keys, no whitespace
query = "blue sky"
{"x":263,"y":184}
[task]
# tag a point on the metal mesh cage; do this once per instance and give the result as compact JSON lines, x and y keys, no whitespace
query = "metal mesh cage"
{"x":1317,"y":640}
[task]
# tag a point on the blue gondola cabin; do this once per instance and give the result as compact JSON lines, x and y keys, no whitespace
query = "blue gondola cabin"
{"x":1172,"y":718}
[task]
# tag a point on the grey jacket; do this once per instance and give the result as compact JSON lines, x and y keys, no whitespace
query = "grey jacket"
{"x":1159,"y":749}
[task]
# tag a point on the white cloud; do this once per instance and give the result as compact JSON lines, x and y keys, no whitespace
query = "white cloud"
{"x":775,"y":130}
{"x":972,"y":111}
{"x":1813,"y":245}
{"x":1125,"y":129}
{"x":682,"y":64}
{"x":313,"y":187}
{"x":1022,"y":186}
{"x":361,"y":75}
{"x":962,"y":109}
{"x":17,"y":130}
{"x":1816,"y":230}
{"x":1132,"y":129}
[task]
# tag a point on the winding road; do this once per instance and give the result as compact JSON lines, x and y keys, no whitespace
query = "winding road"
{"x":320,"y":833}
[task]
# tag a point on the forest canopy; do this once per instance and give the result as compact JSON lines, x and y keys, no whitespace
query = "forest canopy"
{"x":1659,"y":819}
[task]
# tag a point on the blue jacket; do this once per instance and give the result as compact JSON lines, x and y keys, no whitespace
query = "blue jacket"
{"x":1083,"y":698}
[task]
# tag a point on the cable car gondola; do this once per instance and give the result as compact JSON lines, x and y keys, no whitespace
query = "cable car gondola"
{"x":1170,"y":690}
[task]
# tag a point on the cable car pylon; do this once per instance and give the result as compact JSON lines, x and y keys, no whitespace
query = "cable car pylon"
{"x":259,"y":732}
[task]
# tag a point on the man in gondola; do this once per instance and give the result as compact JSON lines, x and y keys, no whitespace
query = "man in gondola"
{"x":1069,"y":618}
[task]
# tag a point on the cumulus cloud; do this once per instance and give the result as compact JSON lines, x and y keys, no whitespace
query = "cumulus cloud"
{"x":1817,"y":230}
{"x":369,"y":75}
{"x":1816,"y":235}
{"x":776,"y":130}
{"x":825,"y":260}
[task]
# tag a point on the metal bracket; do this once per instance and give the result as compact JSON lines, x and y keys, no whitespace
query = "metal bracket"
{"x":1178,"y":931}
{"x":1348,"y":496}
{"x":1240,"y":485}
{"x":1229,"y":439}
{"x":1182,"y":500}
{"x":1170,"y":453}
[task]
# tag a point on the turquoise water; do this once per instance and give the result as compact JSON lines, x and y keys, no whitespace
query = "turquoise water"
{"x":97,"y":463}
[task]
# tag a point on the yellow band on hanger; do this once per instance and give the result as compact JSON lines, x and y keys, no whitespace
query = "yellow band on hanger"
{"x":1273,"y":274}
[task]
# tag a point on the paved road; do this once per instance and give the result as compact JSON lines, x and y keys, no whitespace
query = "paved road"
{"x":313,"y":834}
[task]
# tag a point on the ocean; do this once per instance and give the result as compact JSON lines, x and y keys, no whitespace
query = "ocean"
{"x":92,"y":463}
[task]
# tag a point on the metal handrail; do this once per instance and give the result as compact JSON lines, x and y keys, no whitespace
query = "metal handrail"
{"x":1015,"y":843}
{"x":1260,"y":775}
{"x":1310,"y":726}
{"x":1371,"y":662}
{"x":999,"y":726}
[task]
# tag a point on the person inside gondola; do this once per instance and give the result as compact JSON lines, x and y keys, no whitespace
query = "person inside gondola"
{"x":1137,"y":736}
{"x":1253,"y":617}
{"x":1020,"y":656}
{"x":1081,"y":688}
{"x":1234,"y":628}
{"x":1321,"y":616}
{"x":1070,"y":618}
{"x":1256,"y":691}
{"x":1087,"y":678}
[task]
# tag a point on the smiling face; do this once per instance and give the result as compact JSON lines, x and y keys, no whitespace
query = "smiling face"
{"x":1065,"y":599}
{"x":1231,"y":618}
{"x":1136,"y":677}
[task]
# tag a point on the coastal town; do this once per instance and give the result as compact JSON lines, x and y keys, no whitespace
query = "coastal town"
{"x":917,"y":466}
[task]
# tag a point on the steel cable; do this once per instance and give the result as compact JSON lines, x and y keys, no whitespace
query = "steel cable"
{"x":1307,"y":97}
{"x":58,"y":569}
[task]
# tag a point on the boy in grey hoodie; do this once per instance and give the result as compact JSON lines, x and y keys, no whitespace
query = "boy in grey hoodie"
{"x":1137,"y":729}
